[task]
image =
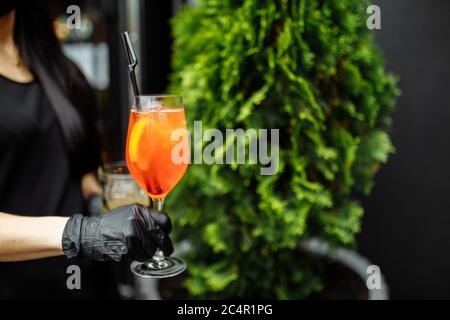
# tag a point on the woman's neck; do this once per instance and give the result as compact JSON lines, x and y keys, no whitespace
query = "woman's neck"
{"x":11,"y":65}
{"x":7,"y":32}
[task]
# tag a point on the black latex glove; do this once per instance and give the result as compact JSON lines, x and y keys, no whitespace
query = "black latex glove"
{"x":133,"y":230}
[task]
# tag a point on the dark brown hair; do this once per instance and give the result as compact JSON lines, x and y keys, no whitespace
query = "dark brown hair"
{"x":70,"y":95}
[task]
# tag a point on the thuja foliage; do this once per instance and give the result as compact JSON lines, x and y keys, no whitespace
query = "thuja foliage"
{"x":311,"y":69}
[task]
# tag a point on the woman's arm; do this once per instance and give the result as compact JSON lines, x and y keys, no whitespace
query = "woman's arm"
{"x":133,"y":230}
{"x":27,"y":238}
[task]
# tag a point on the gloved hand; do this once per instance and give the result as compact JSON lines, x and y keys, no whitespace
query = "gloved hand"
{"x":133,"y":230}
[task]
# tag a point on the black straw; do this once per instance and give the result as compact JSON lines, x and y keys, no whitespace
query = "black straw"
{"x":132,"y":61}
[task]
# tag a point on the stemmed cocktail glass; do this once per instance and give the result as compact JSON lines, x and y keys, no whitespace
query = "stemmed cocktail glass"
{"x":157,"y":156}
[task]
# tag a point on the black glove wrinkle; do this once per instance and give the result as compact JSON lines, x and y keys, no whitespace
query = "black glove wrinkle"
{"x":71,"y":236}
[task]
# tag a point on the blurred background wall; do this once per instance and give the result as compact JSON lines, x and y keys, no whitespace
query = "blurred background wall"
{"x":406,"y":229}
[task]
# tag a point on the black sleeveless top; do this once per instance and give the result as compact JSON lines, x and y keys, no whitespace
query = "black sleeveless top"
{"x":36,"y":179}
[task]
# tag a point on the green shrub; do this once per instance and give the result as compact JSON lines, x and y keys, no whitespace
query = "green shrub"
{"x":309,"y":68}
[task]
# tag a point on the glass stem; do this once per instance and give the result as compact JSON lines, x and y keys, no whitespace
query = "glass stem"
{"x":158,"y":257}
{"x":158,"y":204}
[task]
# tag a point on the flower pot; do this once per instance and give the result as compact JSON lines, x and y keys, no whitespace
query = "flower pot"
{"x":345,"y":277}
{"x":350,"y":260}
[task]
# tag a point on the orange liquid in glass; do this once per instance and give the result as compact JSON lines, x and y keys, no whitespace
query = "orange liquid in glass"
{"x":149,"y":149}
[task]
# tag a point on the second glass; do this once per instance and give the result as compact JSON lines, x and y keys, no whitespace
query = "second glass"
{"x":119,"y":187}
{"x":157,"y":156}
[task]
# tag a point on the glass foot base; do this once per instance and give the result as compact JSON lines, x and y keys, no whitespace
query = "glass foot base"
{"x":157,"y":269}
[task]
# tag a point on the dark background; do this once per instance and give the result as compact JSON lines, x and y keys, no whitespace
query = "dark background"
{"x":406,"y":226}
